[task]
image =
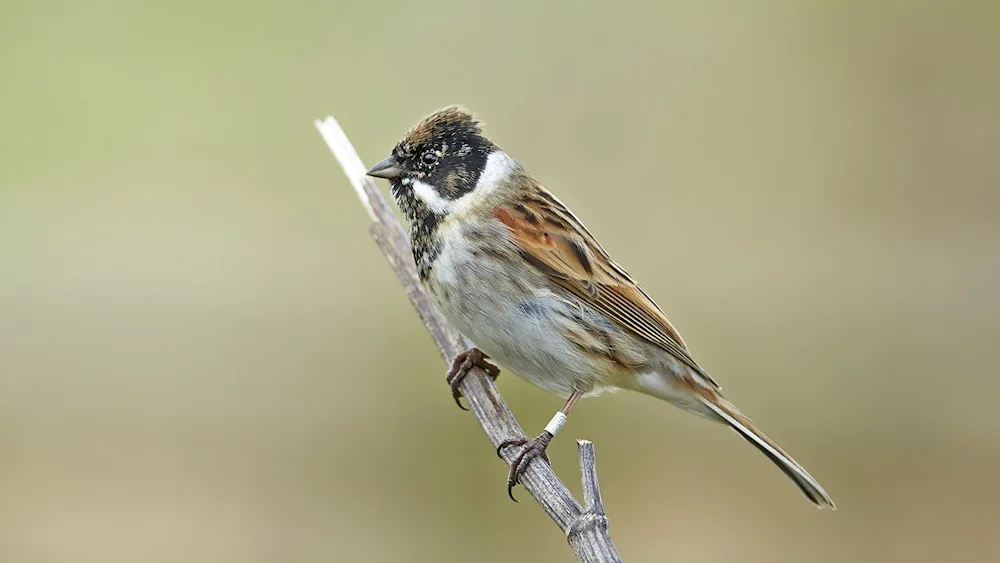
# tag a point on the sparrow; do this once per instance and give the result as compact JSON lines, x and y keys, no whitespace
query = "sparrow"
{"x":521,"y":277}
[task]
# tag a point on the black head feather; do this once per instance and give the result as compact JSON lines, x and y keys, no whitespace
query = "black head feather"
{"x":445,"y":150}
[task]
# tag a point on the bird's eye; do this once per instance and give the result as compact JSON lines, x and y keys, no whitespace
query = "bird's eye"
{"x":429,"y":158}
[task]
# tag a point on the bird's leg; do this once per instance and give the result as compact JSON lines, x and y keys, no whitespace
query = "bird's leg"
{"x":535,"y":447}
{"x":460,"y":366}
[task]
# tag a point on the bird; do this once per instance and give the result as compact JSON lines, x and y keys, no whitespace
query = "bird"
{"x":522,"y":278}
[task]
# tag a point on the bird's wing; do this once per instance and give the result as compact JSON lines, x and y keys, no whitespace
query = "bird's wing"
{"x":550,"y":238}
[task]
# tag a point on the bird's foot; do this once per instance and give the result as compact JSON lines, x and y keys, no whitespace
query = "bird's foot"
{"x":530,"y":449}
{"x":460,"y":366}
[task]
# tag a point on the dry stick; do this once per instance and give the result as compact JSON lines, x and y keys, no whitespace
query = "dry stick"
{"x":585,"y":528}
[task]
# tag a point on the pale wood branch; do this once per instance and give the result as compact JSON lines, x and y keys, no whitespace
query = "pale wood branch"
{"x":586,"y":528}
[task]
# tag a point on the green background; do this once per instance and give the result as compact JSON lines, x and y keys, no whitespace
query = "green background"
{"x":203,"y":357}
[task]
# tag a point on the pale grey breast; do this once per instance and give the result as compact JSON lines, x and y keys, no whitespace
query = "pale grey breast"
{"x":514,"y":313}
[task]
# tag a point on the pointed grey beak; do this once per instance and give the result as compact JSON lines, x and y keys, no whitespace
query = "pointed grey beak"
{"x":387,"y":169}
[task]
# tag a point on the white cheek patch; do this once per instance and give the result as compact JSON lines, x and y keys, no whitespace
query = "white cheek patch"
{"x":499,"y":166}
{"x":498,"y":169}
{"x":434,"y":201}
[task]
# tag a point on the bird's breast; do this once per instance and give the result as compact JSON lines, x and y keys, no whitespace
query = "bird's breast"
{"x":513,"y":313}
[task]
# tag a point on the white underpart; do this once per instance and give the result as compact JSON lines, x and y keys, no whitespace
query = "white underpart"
{"x":664,"y":385}
{"x":658,"y":385}
{"x":556,"y":423}
{"x":499,"y":166}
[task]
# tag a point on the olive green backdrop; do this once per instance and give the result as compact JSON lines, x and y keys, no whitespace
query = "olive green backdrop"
{"x":203,"y":358}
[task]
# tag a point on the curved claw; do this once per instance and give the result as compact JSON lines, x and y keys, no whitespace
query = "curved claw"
{"x":508,"y":443}
{"x":457,"y":395}
{"x":533,"y":448}
{"x":510,"y":490}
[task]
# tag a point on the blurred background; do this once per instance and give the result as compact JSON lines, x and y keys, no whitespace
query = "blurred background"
{"x":204,"y":358}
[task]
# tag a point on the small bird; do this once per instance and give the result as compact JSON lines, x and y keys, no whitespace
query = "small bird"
{"x":521,"y":277}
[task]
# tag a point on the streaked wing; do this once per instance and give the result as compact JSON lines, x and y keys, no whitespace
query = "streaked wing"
{"x":553,"y":240}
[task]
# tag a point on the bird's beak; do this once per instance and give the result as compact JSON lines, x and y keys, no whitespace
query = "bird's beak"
{"x":387,"y":169}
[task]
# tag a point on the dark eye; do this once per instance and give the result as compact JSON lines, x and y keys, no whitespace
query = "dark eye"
{"x":429,"y":158}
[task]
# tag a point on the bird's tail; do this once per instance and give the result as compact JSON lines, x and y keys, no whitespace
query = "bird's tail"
{"x":728,"y":413}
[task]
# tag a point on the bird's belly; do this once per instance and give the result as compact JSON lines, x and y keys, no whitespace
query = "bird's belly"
{"x":513,"y":315}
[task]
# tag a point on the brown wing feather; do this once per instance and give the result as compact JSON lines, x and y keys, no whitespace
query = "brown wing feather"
{"x":553,"y":240}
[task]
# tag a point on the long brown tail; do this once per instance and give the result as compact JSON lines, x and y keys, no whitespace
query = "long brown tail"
{"x":745,"y":427}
